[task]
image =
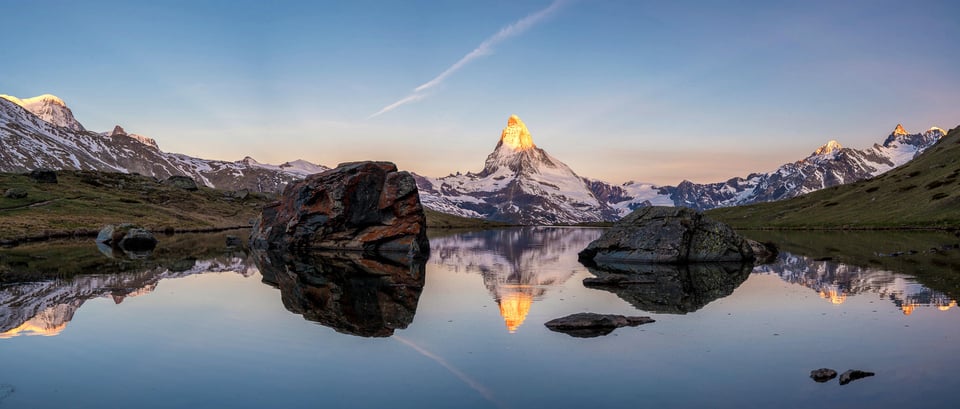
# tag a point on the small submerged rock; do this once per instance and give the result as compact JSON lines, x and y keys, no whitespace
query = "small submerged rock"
{"x":823,"y":374}
{"x":854,"y":374}
{"x":589,"y":325}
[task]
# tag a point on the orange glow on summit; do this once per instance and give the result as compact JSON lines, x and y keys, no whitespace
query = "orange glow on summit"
{"x":516,"y":136}
{"x":514,"y":308}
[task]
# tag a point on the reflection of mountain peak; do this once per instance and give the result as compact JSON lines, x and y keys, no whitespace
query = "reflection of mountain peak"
{"x":514,"y":307}
{"x":835,"y":281}
{"x":518,"y":266}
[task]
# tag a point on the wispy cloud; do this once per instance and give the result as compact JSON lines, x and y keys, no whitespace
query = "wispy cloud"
{"x":485,"y":48}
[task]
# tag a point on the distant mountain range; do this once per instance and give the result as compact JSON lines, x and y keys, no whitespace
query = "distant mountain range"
{"x":522,"y":183}
{"x":41,"y":132}
{"x":519,"y":183}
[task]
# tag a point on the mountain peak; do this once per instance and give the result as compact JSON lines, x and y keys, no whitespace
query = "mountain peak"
{"x":935,"y":129}
{"x":118,"y":131}
{"x":516,"y":136}
{"x":828,"y":147}
{"x":49,"y":108}
{"x":898,"y":131}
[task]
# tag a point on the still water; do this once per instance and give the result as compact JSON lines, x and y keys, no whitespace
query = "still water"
{"x":197,"y":324}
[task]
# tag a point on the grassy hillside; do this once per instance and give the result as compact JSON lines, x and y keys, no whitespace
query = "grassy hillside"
{"x":925,"y":192}
{"x":83,"y":201}
{"x":437,"y":220}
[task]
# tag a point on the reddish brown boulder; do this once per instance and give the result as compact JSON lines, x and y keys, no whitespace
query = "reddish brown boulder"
{"x":360,"y":206}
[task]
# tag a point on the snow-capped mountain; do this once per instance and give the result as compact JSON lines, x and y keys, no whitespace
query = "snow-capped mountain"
{"x":523,"y":184}
{"x":49,"y":108}
{"x":519,"y":183}
{"x":41,"y":132}
{"x":829,"y":165}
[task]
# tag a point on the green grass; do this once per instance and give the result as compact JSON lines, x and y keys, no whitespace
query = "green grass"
{"x":84,"y":201}
{"x":66,"y":258}
{"x":438,"y":220}
{"x":924,"y":193}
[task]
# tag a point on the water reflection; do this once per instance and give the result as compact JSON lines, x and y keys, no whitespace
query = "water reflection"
{"x":835,"y":281}
{"x":349,"y":292}
{"x":669,"y":289}
{"x":44,"y":307}
{"x":518,"y":266}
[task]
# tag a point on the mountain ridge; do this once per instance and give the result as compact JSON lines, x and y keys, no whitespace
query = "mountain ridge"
{"x":53,"y":138}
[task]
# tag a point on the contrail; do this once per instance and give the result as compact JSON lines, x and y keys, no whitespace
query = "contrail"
{"x":473,"y":384}
{"x":485,"y":48}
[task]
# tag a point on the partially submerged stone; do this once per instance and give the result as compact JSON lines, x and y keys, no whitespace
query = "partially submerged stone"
{"x":852,"y":375}
{"x":673,"y":235}
{"x":127,"y":237}
{"x":360,"y":206}
{"x":588,"y":324}
{"x":823,"y":374}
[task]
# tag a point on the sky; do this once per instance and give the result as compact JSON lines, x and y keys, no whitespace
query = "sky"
{"x":650,"y":91}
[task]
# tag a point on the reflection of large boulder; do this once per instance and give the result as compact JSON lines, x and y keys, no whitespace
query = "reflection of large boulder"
{"x":667,"y":288}
{"x":349,"y":292}
{"x":668,"y":235}
{"x":367,"y":206}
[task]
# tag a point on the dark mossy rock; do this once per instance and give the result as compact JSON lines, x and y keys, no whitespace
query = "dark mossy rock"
{"x":43,"y":176}
{"x":128,"y":237}
{"x":15,"y":193}
{"x":182,"y":182}
{"x":672,"y":235}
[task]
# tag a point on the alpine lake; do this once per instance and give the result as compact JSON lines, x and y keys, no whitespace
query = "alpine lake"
{"x":198,"y":323}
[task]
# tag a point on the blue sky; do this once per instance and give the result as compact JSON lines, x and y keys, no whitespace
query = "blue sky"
{"x":619,"y":90}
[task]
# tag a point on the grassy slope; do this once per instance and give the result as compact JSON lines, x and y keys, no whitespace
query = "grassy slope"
{"x":437,"y":220}
{"x":83,"y":201}
{"x":923,"y":193}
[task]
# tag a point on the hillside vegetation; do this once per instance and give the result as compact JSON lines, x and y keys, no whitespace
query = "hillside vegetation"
{"x":924,"y":193}
{"x":81,"y":202}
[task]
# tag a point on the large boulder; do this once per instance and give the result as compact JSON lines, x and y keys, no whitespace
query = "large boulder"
{"x":359,"y":206}
{"x":182,"y":182}
{"x":43,"y":175}
{"x":673,"y":235}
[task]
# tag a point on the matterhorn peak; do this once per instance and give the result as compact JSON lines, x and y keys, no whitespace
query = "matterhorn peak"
{"x":828,"y":147}
{"x":516,"y":136}
{"x":899,"y":131}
